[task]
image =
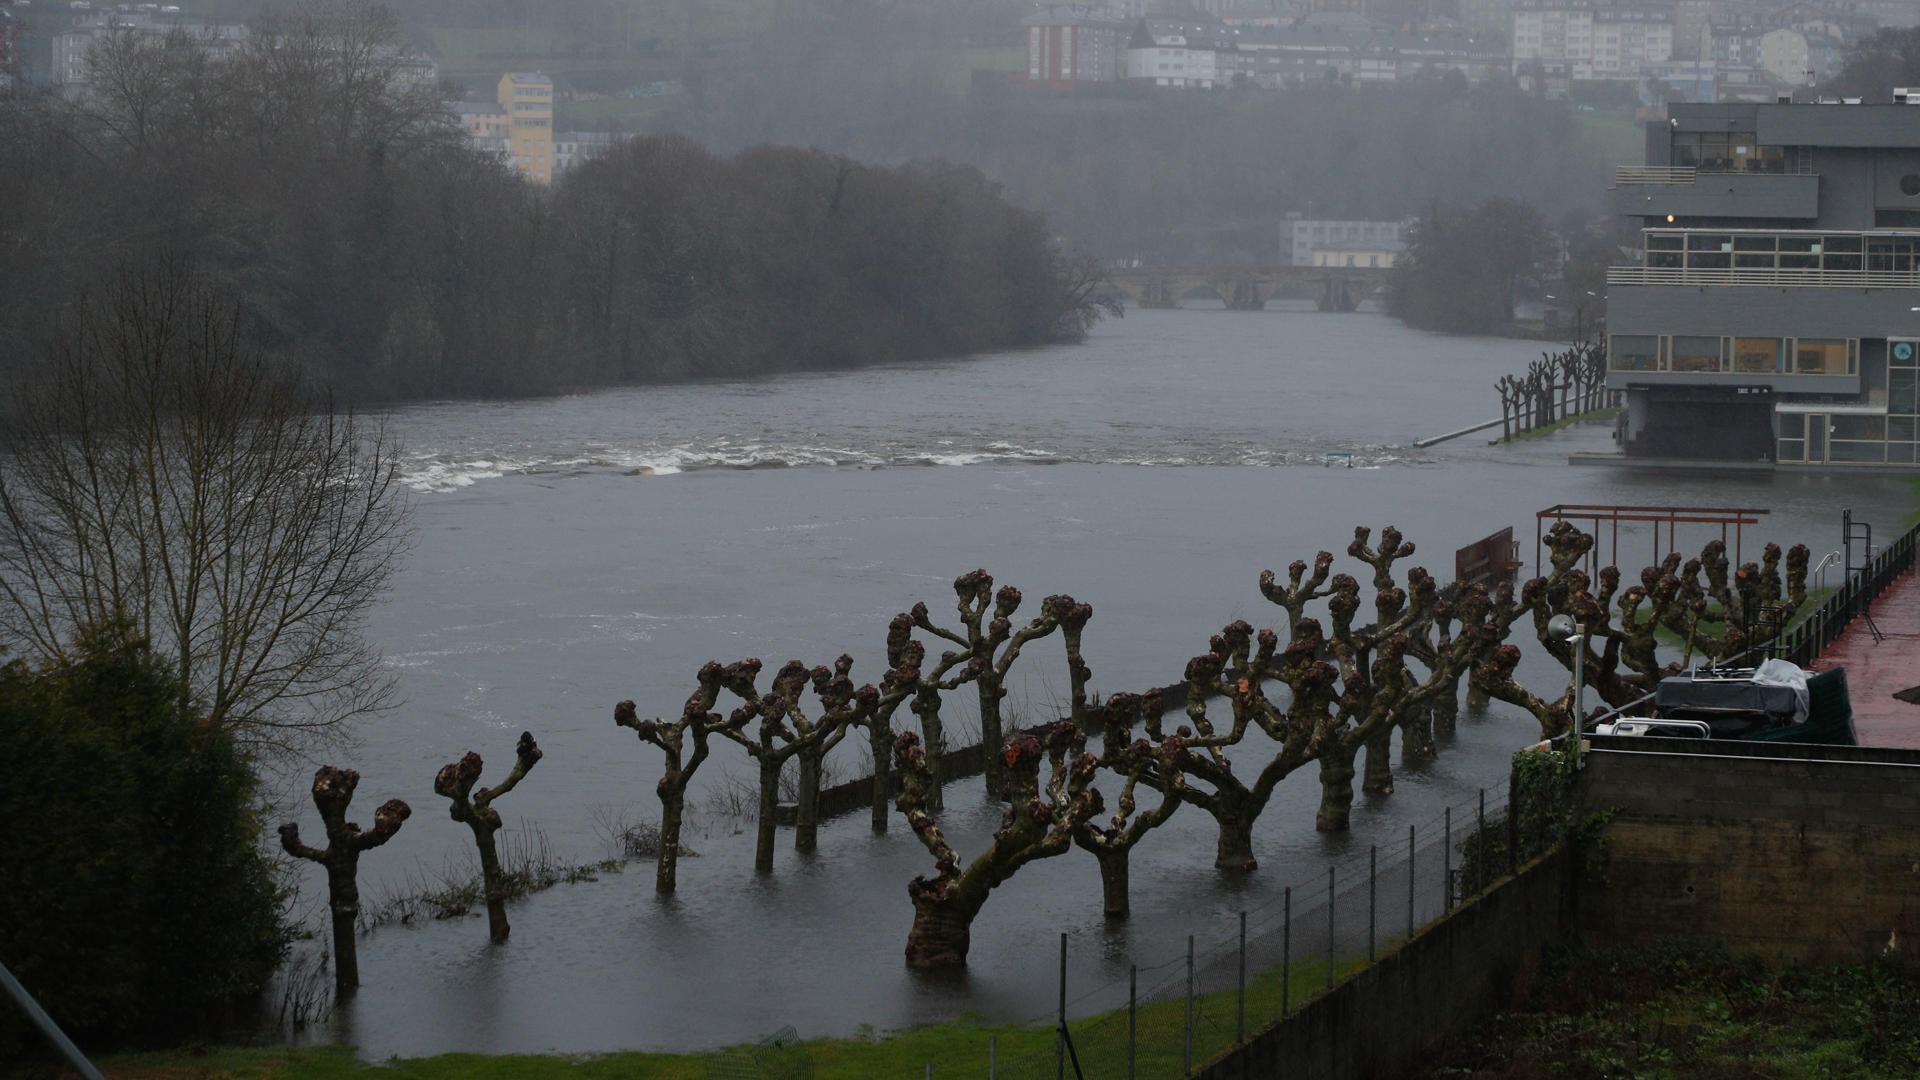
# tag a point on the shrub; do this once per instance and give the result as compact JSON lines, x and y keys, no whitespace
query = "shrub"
{"x":138,"y":907}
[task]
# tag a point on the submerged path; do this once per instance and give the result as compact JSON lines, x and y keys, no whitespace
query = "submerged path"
{"x":1878,"y":668}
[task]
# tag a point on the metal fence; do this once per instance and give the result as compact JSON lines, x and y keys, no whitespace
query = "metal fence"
{"x":1810,"y":636}
{"x":1225,"y":982}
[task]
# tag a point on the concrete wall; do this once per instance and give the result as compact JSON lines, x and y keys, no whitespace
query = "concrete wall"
{"x":1795,"y":199}
{"x":1414,"y":1001}
{"x":1789,"y":852}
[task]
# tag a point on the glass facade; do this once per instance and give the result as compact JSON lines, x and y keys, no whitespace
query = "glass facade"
{"x":1733,"y":355}
{"x":1851,"y":435}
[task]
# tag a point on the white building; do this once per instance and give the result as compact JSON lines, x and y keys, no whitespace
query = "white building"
{"x":1182,"y":52}
{"x":72,"y":69}
{"x":1590,"y":41}
{"x":1302,"y":240}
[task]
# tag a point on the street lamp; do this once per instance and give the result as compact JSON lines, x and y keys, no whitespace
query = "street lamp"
{"x":1564,"y":628}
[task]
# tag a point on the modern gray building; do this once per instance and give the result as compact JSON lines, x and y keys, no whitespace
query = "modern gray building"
{"x":1774,"y":314}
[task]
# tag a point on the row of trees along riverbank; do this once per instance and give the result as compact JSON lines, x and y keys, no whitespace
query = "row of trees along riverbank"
{"x":114,"y":690}
{"x":344,"y":210}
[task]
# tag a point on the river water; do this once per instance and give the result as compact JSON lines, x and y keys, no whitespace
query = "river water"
{"x":572,"y":552}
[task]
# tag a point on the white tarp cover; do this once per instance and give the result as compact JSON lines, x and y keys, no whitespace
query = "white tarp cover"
{"x":1785,"y":673}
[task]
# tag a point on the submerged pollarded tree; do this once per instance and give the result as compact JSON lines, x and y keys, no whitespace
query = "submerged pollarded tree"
{"x":1237,"y":669}
{"x":1038,"y":823}
{"x":697,"y":721}
{"x":785,"y":732}
{"x":332,"y":791}
{"x":1378,"y":691}
{"x":1140,"y":763}
{"x":908,"y":680}
{"x":475,"y":808}
{"x":1717,"y":611}
{"x":992,"y":646}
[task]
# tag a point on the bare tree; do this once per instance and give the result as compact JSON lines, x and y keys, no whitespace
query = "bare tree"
{"x":975,"y":590}
{"x":697,"y":721}
{"x":332,"y":791}
{"x":475,"y":809}
{"x":1038,"y":824}
{"x":158,"y":468}
{"x":1152,"y":762}
{"x":787,"y":732}
{"x":1716,"y":610}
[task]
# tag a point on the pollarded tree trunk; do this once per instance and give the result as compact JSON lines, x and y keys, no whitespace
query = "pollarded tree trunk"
{"x":992,"y":733}
{"x":1234,"y":849}
{"x":880,"y":739}
{"x":1113,"y":882}
{"x":1379,"y":763}
{"x":332,"y":791}
{"x":933,"y":732}
{"x":1336,"y":789}
{"x":496,"y":886}
{"x":673,"y":811}
{"x":942,"y":928}
{"x":1416,"y":737}
{"x":1446,"y":709}
{"x":806,"y":813}
{"x":455,"y":781}
{"x":769,"y":800}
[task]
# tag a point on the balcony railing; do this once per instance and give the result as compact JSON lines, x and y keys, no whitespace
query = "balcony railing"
{"x":1768,"y":279}
{"x":1631,"y":175}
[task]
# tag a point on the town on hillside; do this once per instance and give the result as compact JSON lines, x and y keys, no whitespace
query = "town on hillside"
{"x":1619,"y":54}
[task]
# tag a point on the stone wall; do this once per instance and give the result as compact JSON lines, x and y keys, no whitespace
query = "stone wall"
{"x":1412,"y":1002}
{"x":1784,"y":851}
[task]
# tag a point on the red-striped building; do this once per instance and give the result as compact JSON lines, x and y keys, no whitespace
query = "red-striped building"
{"x":1073,"y":44}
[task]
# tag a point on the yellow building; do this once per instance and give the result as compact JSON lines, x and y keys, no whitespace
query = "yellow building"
{"x":527,"y":99}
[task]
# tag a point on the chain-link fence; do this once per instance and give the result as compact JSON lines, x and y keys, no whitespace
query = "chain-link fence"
{"x":1230,"y":981}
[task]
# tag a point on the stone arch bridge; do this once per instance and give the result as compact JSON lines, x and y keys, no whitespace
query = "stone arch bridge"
{"x":1248,"y":288}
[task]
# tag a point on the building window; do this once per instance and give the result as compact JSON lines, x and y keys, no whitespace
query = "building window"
{"x":1756,"y":356}
{"x":1821,"y":356}
{"x":1696,"y":354}
{"x":1634,"y":352}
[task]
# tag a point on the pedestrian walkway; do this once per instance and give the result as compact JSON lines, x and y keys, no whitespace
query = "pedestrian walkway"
{"x":1879,"y":668}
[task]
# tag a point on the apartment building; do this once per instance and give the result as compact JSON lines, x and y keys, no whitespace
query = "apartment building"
{"x":1590,"y":41}
{"x":1774,"y":313}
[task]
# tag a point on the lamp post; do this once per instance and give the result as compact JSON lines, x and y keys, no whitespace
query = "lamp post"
{"x":1564,"y":628}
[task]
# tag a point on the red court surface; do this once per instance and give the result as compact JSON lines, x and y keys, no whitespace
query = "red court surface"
{"x":1877,"y":669}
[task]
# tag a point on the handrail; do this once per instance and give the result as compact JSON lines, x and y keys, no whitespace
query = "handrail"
{"x":1764,"y":278}
{"x":1811,"y":635}
{"x":1629,"y":175}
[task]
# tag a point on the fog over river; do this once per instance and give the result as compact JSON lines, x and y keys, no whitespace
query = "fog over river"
{"x":576,"y":551}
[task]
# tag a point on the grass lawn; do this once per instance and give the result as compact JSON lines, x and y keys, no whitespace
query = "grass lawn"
{"x":953,"y":1048}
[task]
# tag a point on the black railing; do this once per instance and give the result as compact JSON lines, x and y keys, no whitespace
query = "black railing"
{"x":1810,"y":636}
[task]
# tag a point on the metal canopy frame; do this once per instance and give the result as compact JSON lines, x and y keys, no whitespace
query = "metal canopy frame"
{"x":1598,"y":515}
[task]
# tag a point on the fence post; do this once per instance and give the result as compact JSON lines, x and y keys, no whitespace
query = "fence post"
{"x":1411,"y":879}
{"x":1133,"y":1013}
{"x":1060,"y":1036}
{"x":1446,"y":861}
{"x":1480,"y":842}
{"x":1240,"y":1024}
{"x":1188,"y":1053}
{"x":1513,"y":823}
{"x":1286,"y":949}
{"x":993,"y":1057}
{"x":1329,"y":927}
{"x":1373,"y":895}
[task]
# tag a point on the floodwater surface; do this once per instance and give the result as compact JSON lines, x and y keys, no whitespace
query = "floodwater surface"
{"x":573,"y":552}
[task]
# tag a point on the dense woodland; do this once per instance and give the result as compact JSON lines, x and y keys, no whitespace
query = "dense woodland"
{"x":368,"y":242}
